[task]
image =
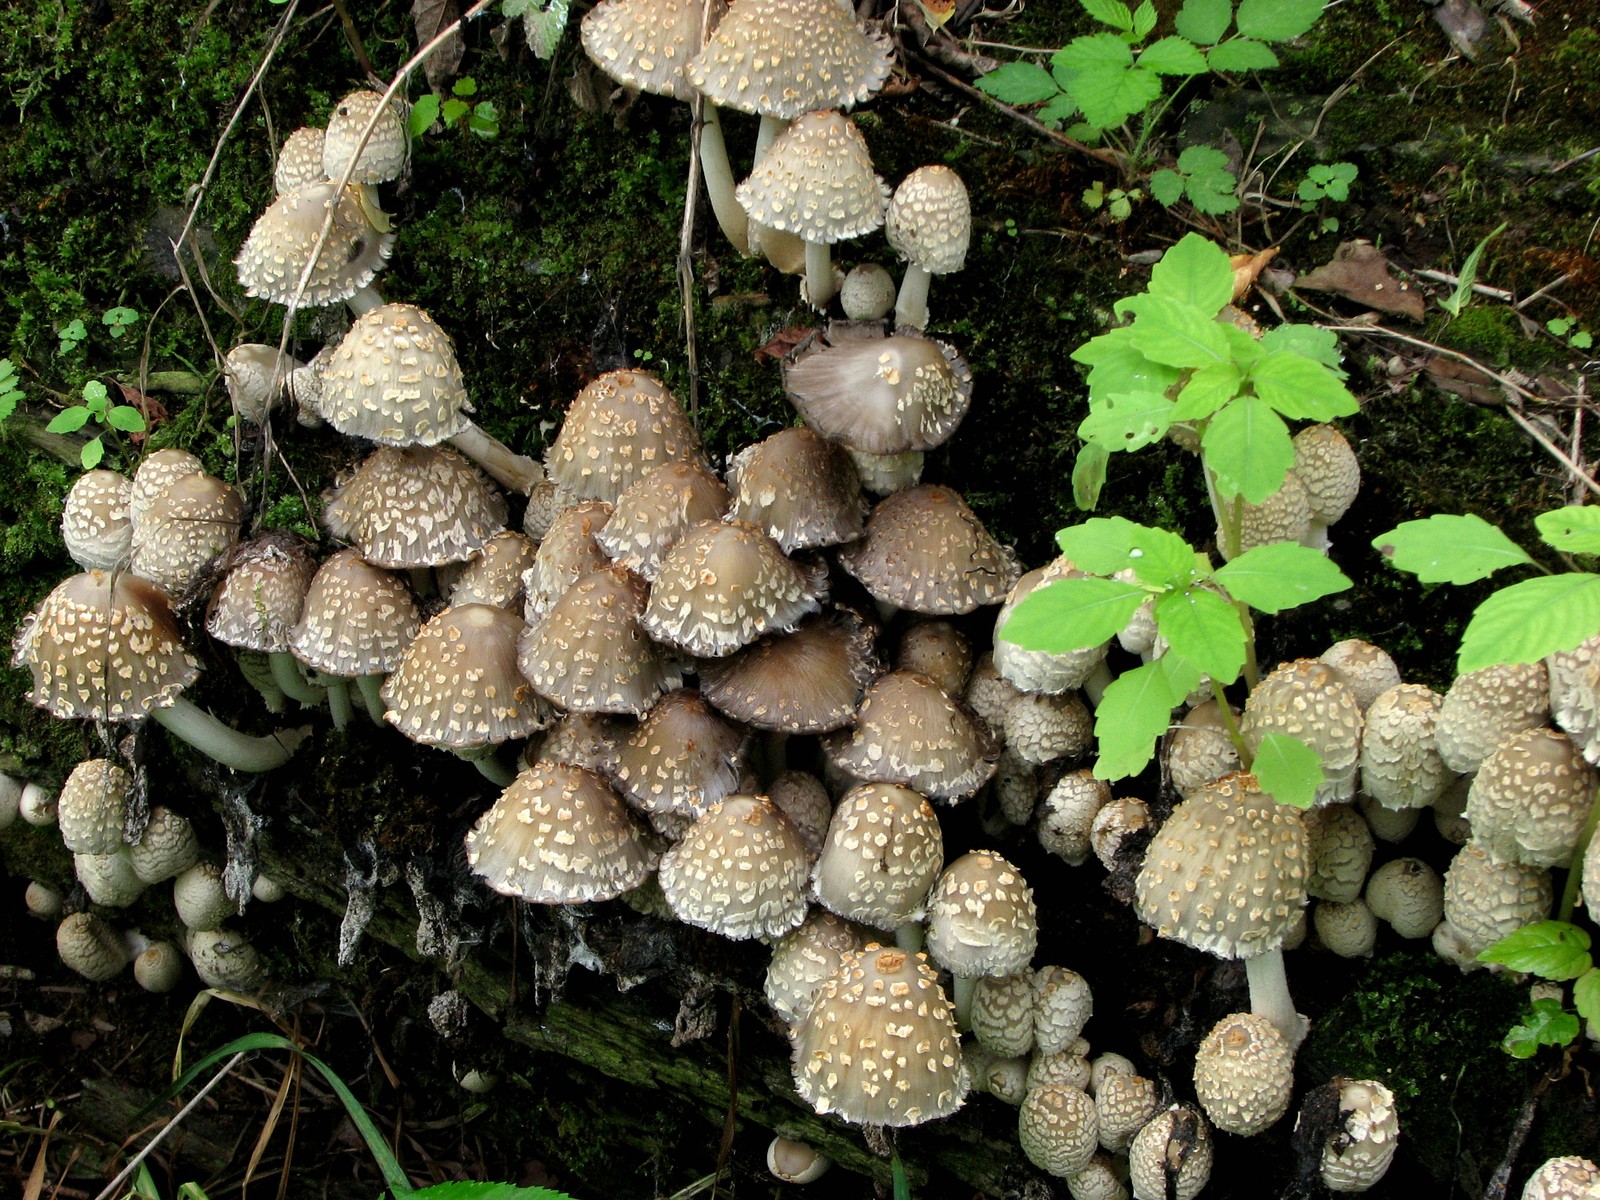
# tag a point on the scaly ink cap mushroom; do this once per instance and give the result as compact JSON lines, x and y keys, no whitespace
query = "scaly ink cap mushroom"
{"x":1040,"y":670}
{"x":1244,"y":1074}
{"x":621,"y":427}
{"x":804,"y":958}
{"x":908,"y":731}
{"x":1400,"y":762}
{"x":1170,"y":1158}
{"x":567,"y":552}
{"x":184,"y":527}
{"x":356,"y":623}
{"x":494,"y":574}
{"x":90,"y":947}
{"x":882,"y":854}
{"x":1311,"y":702}
{"x":93,"y":807}
{"x":1367,"y":668}
{"x":657,"y":509}
{"x":929,"y":225}
{"x":807,"y":681}
{"x":384,"y":155}
{"x":1484,"y":708}
{"x":800,"y":488}
{"x":740,"y":871}
{"x":882,"y":395}
{"x":94,"y":520}
{"x":299,"y":160}
{"x":272,"y":258}
{"x":415,"y":506}
{"x":1058,"y":1129}
{"x":1362,"y":1146}
{"x":1486,"y":900}
{"x":682,"y":758}
{"x":256,"y":376}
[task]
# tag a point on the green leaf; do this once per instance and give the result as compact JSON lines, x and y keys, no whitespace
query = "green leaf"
{"x":1058,"y":108}
{"x":1127,"y":420}
{"x":119,"y":320}
{"x":452,"y":110}
{"x":1208,"y":389}
{"x":1110,"y":12}
{"x":1309,"y":341}
{"x":1019,"y":83}
{"x":8,"y":403}
{"x":465,"y":86}
{"x":1281,"y":575}
{"x":1144,"y":20}
{"x":1208,"y":182}
{"x":423,"y":114}
{"x":1249,"y":449}
{"x":1548,"y":949}
{"x":72,"y":336}
{"x":69,"y":420}
{"x":1089,"y":476}
{"x":1108,"y":96}
{"x":1100,"y":545}
{"x":1204,"y":628}
{"x":1457,"y":300}
{"x":1241,"y":54}
{"x":1277,"y":20}
{"x":1302,"y":389}
{"x":1136,"y":710}
{"x":1447,"y":548}
{"x":1125,"y":369}
{"x":1196,"y":271}
{"x":92,"y":454}
{"x":1574,"y":529}
{"x":1095,"y":51}
{"x":1546,"y":1023}
{"x":1072,"y":614}
{"x":1175,"y":333}
{"x":1173,"y":56}
{"x":126,"y":418}
{"x":485,"y":119}
{"x":1288,"y":770}
{"x":1204,"y":21}
{"x":1528,"y":620}
{"x":1166,"y":185}
{"x":469,"y":1190}
{"x":544,"y":25}
{"x":1586,"y":995}
{"x":95,"y":396}
{"x":1161,"y":558}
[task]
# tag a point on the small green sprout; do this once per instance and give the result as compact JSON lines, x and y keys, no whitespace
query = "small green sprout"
{"x":1326,"y":181}
{"x":1557,"y":951}
{"x":1569,"y":331}
{"x":97,"y":406}
{"x":10,"y":389}
{"x":119,"y":320}
{"x":1118,"y":202}
{"x":482,"y":118}
{"x":72,"y":336}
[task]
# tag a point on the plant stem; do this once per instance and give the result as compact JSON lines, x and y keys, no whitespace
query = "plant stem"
{"x":1569,"y":893}
{"x":1235,"y":735}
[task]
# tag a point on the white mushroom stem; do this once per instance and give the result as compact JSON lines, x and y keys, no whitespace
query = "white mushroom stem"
{"x":908,"y":936}
{"x":963,"y":988}
{"x":228,"y":746}
{"x":371,"y":686}
{"x":517,"y":472}
{"x":289,"y":680}
{"x":339,"y":702}
{"x":911,"y":306}
{"x":720,"y":182}
{"x":1097,"y":682}
{"x":1269,"y":996}
{"x":364,"y":301}
{"x":819,"y":274}
{"x":768,"y":133}
{"x":487,"y":760}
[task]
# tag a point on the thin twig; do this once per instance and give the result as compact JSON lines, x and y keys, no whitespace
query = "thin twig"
{"x":1483,"y":289}
{"x":1544,"y":291}
{"x":686,"y":236}
{"x":133,"y":1164}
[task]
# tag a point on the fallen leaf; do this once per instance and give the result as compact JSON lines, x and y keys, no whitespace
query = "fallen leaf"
{"x":1360,"y":272}
{"x":1463,"y":23}
{"x":429,"y":17}
{"x":784,"y":342}
{"x":151,"y":409}
{"x":1247,"y":268}
{"x":1461,"y":380}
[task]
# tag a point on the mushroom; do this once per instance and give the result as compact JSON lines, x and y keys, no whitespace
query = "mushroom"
{"x":1530,"y":799}
{"x":259,"y":603}
{"x":568,"y":552}
{"x":804,"y":958}
{"x":1068,"y":1067}
{"x":908,"y":731}
{"x":1058,"y":1129}
{"x":299,"y":160}
{"x":494,"y":574}
{"x":1362,"y":1145}
{"x":809,"y":680}
{"x":1041,"y":670}
{"x":200,"y":898}
{"x":804,"y":800}
{"x":383,"y":157}
{"x":938,"y":650}
{"x":356,"y":623}
{"x":1349,"y":930}
{"x":108,"y":879}
{"x":802,"y":490}
{"x":1486,"y":900}
{"x":159,"y":967}
{"x":621,"y":427}
{"x":683,"y":758}
{"x":656,"y":510}
{"x":1170,"y":1158}
{"x":1327,"y":467}
{"x":882,"y":396}
{"x":94,"y":520}
{"x":1483,"y":708}
{"x":1001,"y":1017}
{"x":167,"y":847}
{"x":883,"y":853}
{"x":183,"y":528}
{"x":868,"y":292}
{"x":796,"y":1162}
{"x":275,"y":254}
{"x":256,"y":376}
{"x":93,"y":807}
{"x":1574,"y":694}
{"x":740,"y":871}
{"x":1400,"y":762}
{"x":90,"y":947}
{"x":1339,"y":854}
{"x":1368,"y":669}
{"x":1062,"y":1006}
{"x":929,"y":224}
{"x":1408,"y":894}
{"x":981,"y":921}
{"x":1041,"y":729}
{"x":224,"y":958}
{"x":1566,"y":1178}
{"x":1311,"y":702}
{"x":1068,"y":815}
{"x":157,"y":472}
{"x":1284,"y":516}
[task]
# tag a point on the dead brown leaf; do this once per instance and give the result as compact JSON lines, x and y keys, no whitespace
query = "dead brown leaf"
{"x":1461,"y":380}
{"x":1247,"y":268}
{"x":429,"y":17}
{"x":1360,"y":272}
{"x":151,"y":409}
{"x":783,"y":342}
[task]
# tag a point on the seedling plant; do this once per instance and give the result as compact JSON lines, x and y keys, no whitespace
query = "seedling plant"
{"x":97,"y":407}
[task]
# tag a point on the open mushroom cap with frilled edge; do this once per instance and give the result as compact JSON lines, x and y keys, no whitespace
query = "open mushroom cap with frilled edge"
{"x":800,"y":488}
{"x":279,"y":246}
{"x":681,"y":759}
{"x":621,"y":427}
{"x":810,"y":680}
{"x":882,"y":395}
{"x":415,"y":506}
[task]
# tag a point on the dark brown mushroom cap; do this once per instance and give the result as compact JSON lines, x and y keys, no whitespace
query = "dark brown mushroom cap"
{"x":357,"y":619}
{"x":816,"y":181}
{"x":781,"y":58}
{"x":621,"y":427}
{"x":184,"y":528}
{"x":589,"y":653}
{"x":882,"y":395}
{"x":879,"y":1046}
{"x":807,"y":681}
{"x":259,"y":601}
{"x":926,"y":551}
{"x":94,"y":520}
{"x":458,"y":685}
{"x":559,"y":835}
{"x":280,"y":242}
{"x":299,"y":160}
{"x":654,"y":512}
{"x":682,"y":758}
{"x":384,"y":155}
{"x":722,"y":586}
{"x":739,"y":871}
{"x":645,"y":44}
{"x":415,"y":506}
{"x":883,"y":852}
{"x":494,"y":574}
{"x":930,"y":220}
{"x":568,"y":552}
{"x":981,"y":917}
{"x":802,"y":490}
{"x":908,"y":731}
{"x":156,"y":472}
{"x":93,"y":807}
{"x":104,"y":648}
{"x":394,"y":380}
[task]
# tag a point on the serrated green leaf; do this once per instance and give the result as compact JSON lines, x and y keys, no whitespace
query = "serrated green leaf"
{"x":1095,"y":51}
{"x":1546,"y":1023}
{"x":1072,"y":614}
{"x":469,"y":1190}
{"x":1135,"y":710}
{"x":452,"y":110}
{"x":8,"y":403}
{"x":1288,"y":770}
{"x":1161,"y":558}
{"x":1100,"y":545}
{"x":1173,"y":56}
{"x":1241,"y":54}
{"x":1528,"y":620}
{"x":465,"y":86}
{"x":1574,"y":529}
{"x":1144,"y":20}
{"x":1244,"y":349}
{"x":1166,"y":186}
{"x":1457,"y":300}
{"x":1208,"y":181}
{"x":1310,"y":341}
{"x":1248,"y":448}
{"x":1550,"y":949}
{"x":423,"y":114}
{"x":69,"y":420}
{"x":92,"y":454}
{"x":1113,"y":341}
{"x":1279,"y":576}
{"x":1125,"y":369}
{"x":1449,"y":548}
{"x":1300,"y":388}
{"x":1204,"y":21}
{"x":1200,"y":160}
{"x":1586,"y":995}
{"x":126,"y":418}
{"x":1208,"y":389}
{"x":1127,"y":420}
{"x":1277,"y":20}
{"x":1110,"y":12}
{"x":1196,"y":272}
{"x":1089,"y":476}
{"x":1175,"y":333}
{"x":1204,"y":628}
{"x":485,"y":119}
{"x":1019,"y":83}
{"x":1108,"y":96}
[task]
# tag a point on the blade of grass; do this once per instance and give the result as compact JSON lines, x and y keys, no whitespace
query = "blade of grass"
{"x":111,"y":1188}
{"x":1469,"y":274}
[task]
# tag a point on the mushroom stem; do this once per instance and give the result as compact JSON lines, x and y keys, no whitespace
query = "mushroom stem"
{"x":339,"y":702}
{"x":911,"y":306}
{"x":289,"y":680}
{"x":1570,"y":893}
{"x":228,"y":746}
{"x":257,"y":670}
{"x":720,"y":183}
{"x":766,"y":134}
{"x":517,"y":472}
{"x":908,"y":936}
{"x":963,"y":987}
{"x":1269,"y":996}
{"x":1097,"y":682}
{"x":371,"y":686}
{"x":488,"y":763}
{"x":364,"y":301}
{"x":819,"y":274}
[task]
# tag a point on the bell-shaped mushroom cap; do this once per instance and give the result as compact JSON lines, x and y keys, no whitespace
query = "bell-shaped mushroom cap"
{"x":981,"y":917}
{"x":589,"y":654}
{"x":494,"y":574}
{"x":458,"y":685}
{"x":740,"y":871}
{"x":1040,"y":729}
{"x":722,"y":586}
{"x":1368,"y":669}
{"x":1062,"y":1006}
{"x":167,"y":847}
{"x":682,"y":758}
{"x":159,"y":967}
{"x":559,"y":835}
{"x":1244,"y":1074}
{"x":621,"y":427}
{"x":1486,"y":900}
{"x":1284,"y":516}
{"x":908,"y":731}
{"x":1124,"y":1100}
{"x":804,"y":958}
{"x":1574,"y":693}
{"x":816,"y":181}
{"x":274,"y":255}
{"x":1170,"y":1158}
{"x":654,"y":512}
{"x":104,"y":648}
{"x":926,"y":551}
{"x":544,"y":502}
{"x":988,"y":693}
{"x":93,"y":807}
{"x":415,"y":506}
{"x":579,"y":740}
{"x":930,"y":220}
{"x":256,"y":376}
{"x":568,"y":552}
{"x":1484,"y":708}
{"x":883,"y":853}
{"x":299,"y":160}
{"x":799,"y":488}
{"x":1311,"y":702}
{"x":879,"y":1046}
{"x":938,"y":650}
{"x":1530,"y":797}
{"x":384,"y":155}
{"x":185,"y":527}
{"x":157,"y":472}
{"x":1339,"y":853}
{"x":94,"y":520}
{"x":1114,"y":825}
{"x":394,"y":380}
{"x":1400,"y":762}
{"x":260,"y":599}
{"x":1002,"y":1014}
{"x":1058,"y":1129}
{"x":808,"y":681}
{"x":357,"y":619}
{"x":1408,"y":894}
{"x":1567,"y":1178}
{"x":1325,"y":464}
{"x":1067,"y":815}
{"x":108,"y":879}
{"x":781,"y":58}
{"x":645,"y":44}
{"x":1200,"y":751}
{"x":882,"y":395}
{"x":1226,"y":873}
{"x":1360,"y":1149}
{"x":224,"y":958}
{"x":90,"y":947}
{"x":1040,"y":670}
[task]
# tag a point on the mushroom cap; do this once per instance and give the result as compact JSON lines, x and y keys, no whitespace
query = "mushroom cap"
{"x":882,"y":395}
{"x":926,"y":551}
{"x":810,"y":680}
{"x":803,"y":491}
{"x":1363,"y":1146}
{"x":1062,"y":1006}
{"x":249,"y":371}
{"x":200,"y":898}
{"x":796,"y":1162}
{"x":156,"y":472}
{"x":94,"y":520}
{"x":1310,"y":701}
{"x":415,"y":506}
{"x":868,"y":292}
{"x":740,"y":871}
{"x":1244,"y":1074}
{"x":458,"y":685}
{"x":1174,"y":1148}
{"x":93,"y":807}
{"x":260,"y":600}
{"x":988,"y":693}
{"x":804,"y":958}
{"x":621,"y":427}
{"x":981,"y":917}
{"x":908,"y":731}
{"x":280,"y":242}
{"x":1408,"y":894}
{"x":1327,"y":466}
{"x":781,"y":58}
{"x":879,"y":1046}
{"x":1486,"y":900}
{"x":159,"y":967}
{"x":108,"y":879}
{"x":816,"y":179}
{"x":167,"y":847}
{"x":930,"y":220}
{"x":357,"y":619}
{"x":1567,"y":1178}
{"x":1040,"y":670}
{"x":1113,"y":825}
{"x":104,"y":648}
{"x":881,"y":474}
{"x":299,"y":160}
{"x":1068,"y":1067}
{"x":1200,"y":752}
{"x":185,"y":526}
{"x":656,"y":510}
{"x":1058,"y":1129}
{"x":567,"y":553}
{"x":937,"y":649}
{"x":1340,"y":852}
{"x":1389,"y":824}
{"x":805,"y":801}
{"x":1124,"y":1099}
{"x":645,"y":44}
{"x":1400,"y":762}
{"x":1068,"y":815}
{"x":882,"y":855}
{"x":1040,"y":729}
{"x":1574,"y":694}
{"x":544,"y":502}
{"x":1100,"y":1180}
{"x":224,"y":958}
{"x":559,"y":835}
{"x":682,"y":758}
{"x":1484,"y":708}
{"x":723,"y":585}
{"x":384,"y":155}
{"x":1002,"y":1013}
{"x":494,"y":574}
{"x":394,"y":380}
{"x":1530,"y":797}
{"x":1284,"y":516}
{"x":1226,"y":873}
{"x":1368,"y":669}
{"x":90,"y":947}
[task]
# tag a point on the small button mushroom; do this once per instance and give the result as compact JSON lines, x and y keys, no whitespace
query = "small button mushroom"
{"x":1409,"y":895}
{"x":159,"y":967}
{"x":1327,"y":466}
{"x":1125,"y":1101}
{"x":1310,"y":701}
{"x":299,"y":160}
{"x":1575,"y":695}
{"x":95,"y":526}
{"x":108,"y":878}
{"x":1244,"y":1074}
{"x":1349,"y":930}
{"x":804,"y":958}
{"x":167,"y":846}
{"x":224,"y":958}
{"x":383,"y":156}
{"x":1041,"y":729}
{"x":1068,"y":1067}
{"x":1114,"y":824}
{"x":1002,"y":1014}
{"x":37,"y":805}
{"x":796,"y":1162}
{"x":929,"y":223}
{"x":1170,"y":1158}
{"x":1059,"y":1129}
{"x":1530,"y":798}
{"x":981,"y":921}
{"x":1390,"y":825}
{"x":474,"y":1081}
{"x":1485,"y":900}
{"x":1362,"y":1145}
{"x":1400,"y":762}
{"x":42,"y":901}
{"x":883,"y":851}
{"x":1006,"y":1079}
{"x":267,"y":890}
{"x":93,"y":807}
{"x":1200,"y":752}
{"x":1341,"y":849}
{"x":1484,"y":708}
{"x":1068,"y":813}
{"x":740,"y":871}
{"x":90,"y":947}
{"x":1100,"y":1180}
{"x":199,"y":897}
{"x":1062,"y":1006}
{"x":1368,"y":669}
{"x":1284,"y":516}
{"x":868,"y":292}
{"x":804,"y":800}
